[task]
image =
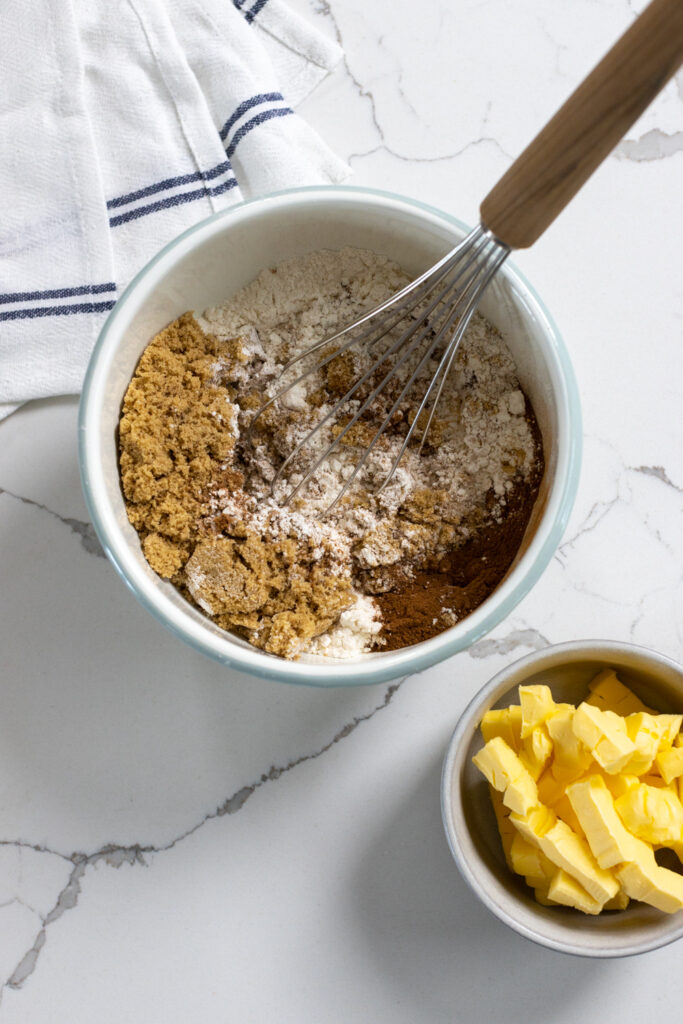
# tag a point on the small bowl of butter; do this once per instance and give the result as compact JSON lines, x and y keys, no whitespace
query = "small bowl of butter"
{"x":562,"y":798}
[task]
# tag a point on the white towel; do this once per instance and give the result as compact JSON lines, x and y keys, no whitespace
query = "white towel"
{"x":133,"y":121}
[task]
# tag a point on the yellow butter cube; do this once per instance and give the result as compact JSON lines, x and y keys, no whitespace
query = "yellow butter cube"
{"x":610,"y":694}
{"x":498,"y":763}
{"x":541,"y":896}
{"x":671,"y":729}
{"x":616,"y":784}
{"x":537,"y":703}
{"x":566,"y":891}
{"x":535,"y":823}
{"x":645,"y":880}
{"x":609,"y":841}
{"x":503,"y":722}
{"x":571,"y":757}
{"x":618,"y":902}
{"x":646,"y":732}
{"x":604,"y":733}
{"x":566,"y":850}
{"x":521,"y":795}
{"x":529,"y":861}
{"x":550,"y":790}
{"x":655,"y":815}
{"x":536,"y":751}
{"x":670,"y":763}
{"x":506,"y":773}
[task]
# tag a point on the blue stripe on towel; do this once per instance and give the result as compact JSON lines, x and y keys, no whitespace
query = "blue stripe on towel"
{"x":169,"y":201}
{"x":83,"y":307}
{"x":57,"y":293}
{"x":258,"y":6}
{"x":255,"y":101}
{"x":161,"y":186}
{"x":266,"y":115}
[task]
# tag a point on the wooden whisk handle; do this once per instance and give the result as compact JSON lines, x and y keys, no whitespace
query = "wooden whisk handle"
{"x":552,"y":169}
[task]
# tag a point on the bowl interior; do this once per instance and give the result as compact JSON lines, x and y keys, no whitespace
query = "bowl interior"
{"x":207,"y":265}
{"x":471,"y":825}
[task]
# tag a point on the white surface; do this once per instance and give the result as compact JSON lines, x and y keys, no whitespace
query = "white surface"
{"x":180,"y":844}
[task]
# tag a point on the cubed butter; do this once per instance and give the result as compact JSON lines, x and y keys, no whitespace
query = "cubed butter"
{"x":531,"y":862}
{"x":566,"y":850}
{"x":671,"y":729}
{"x":616,"y":784}
{"x":670,"y":763}
{"x":610,"y":842}
{"x":610,"y":694}
{"x":654,"y":815}
{"x":537,"y":703}
{"x":644,"y":879}
{"x":566,"y":891}
{"x":571,"y":757}
{"x":536,"y":751}
{"x":618,"y":902}
{"x":505,"y":772}
{"x":646,"y":732}
{"x":503,"y":722}
{"x":549,"y":789}
{"x":604,"y":733}
{"x":583,"y":796}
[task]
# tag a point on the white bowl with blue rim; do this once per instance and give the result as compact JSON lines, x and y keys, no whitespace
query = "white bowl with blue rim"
{"x":208,"y":263}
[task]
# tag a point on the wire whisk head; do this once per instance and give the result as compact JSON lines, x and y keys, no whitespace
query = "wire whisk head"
{"x":389,"y":368}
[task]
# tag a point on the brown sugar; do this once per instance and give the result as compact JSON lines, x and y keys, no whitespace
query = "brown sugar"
{"x":174,"y":427}
{"x":176,"y":442}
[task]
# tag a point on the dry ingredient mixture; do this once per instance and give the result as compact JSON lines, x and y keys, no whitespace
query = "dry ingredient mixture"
{"x":382,"y":570}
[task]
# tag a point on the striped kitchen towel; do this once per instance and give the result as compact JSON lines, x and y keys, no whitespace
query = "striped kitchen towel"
{"x":134,"y":120}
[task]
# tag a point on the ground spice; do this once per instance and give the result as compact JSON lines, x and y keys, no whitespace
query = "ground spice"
{"x":433,"y":600}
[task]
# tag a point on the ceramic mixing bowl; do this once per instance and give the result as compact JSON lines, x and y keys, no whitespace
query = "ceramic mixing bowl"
{"x":471,"y":827}
{"x":205,"y":266}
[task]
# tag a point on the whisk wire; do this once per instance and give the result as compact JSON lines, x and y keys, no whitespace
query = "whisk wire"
{"x":449,"y":293}
{"x":443,"y":369}
{"x":445,"y":264}
{"x":382,"y":323}
{"x":453,"y":315}
{"x":416,"y":341}
{"x":458,"y":336}
{"x":395,"y":347}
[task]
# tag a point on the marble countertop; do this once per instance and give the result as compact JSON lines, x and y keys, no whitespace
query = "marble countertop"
{"x":179,"y":843}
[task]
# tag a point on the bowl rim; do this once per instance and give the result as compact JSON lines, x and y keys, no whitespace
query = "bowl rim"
{"x":383,"y":666}
{"x":485,"y":697}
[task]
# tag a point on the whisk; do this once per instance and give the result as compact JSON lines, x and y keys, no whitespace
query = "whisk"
{"x":426,"y":320}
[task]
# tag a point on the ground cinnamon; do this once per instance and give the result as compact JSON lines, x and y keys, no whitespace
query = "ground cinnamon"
{"x":433,"y":600}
